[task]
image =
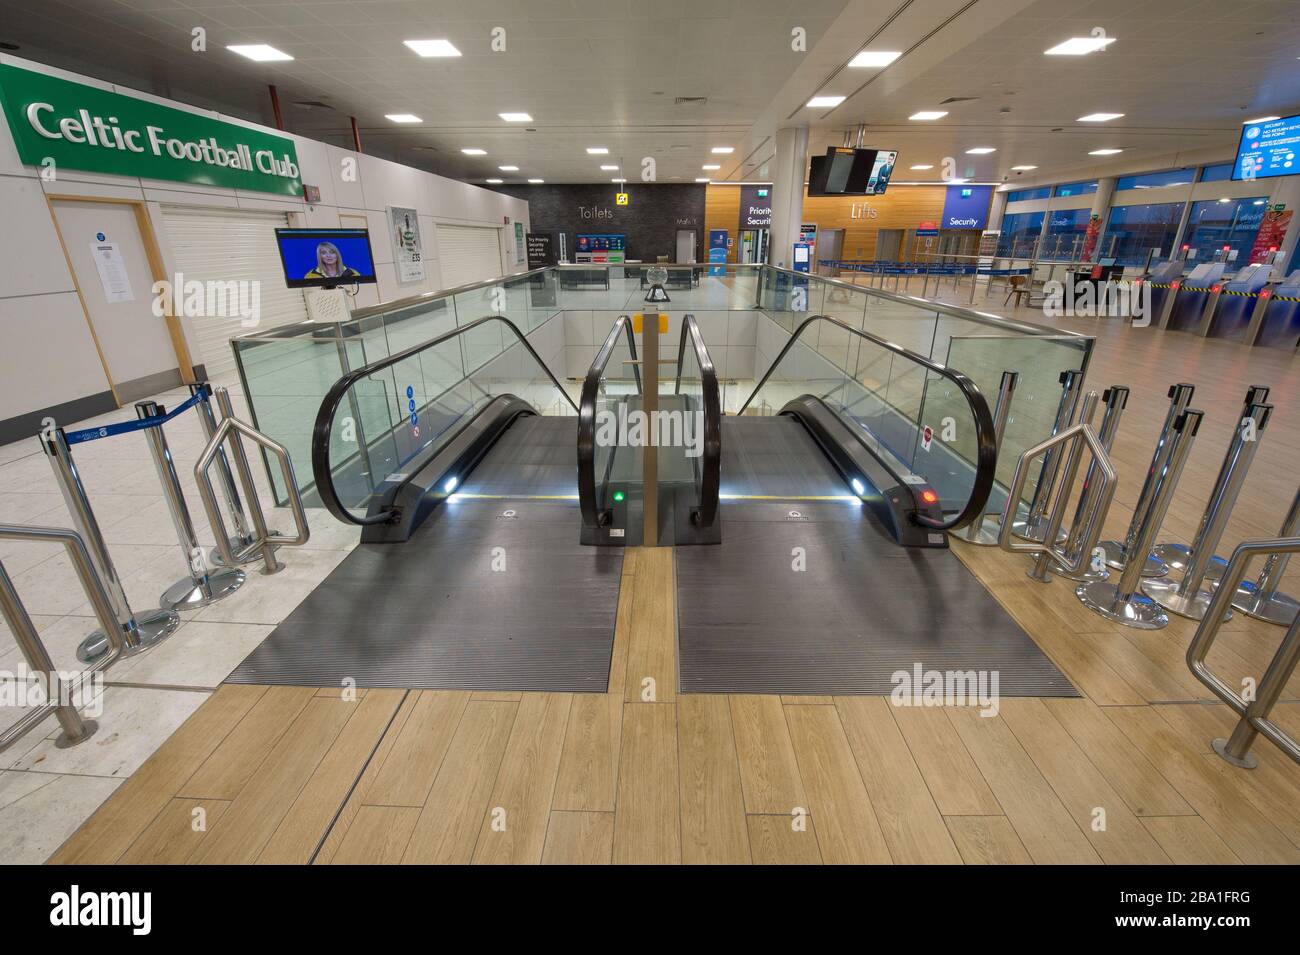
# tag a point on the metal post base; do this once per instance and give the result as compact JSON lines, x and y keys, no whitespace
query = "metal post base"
{"x":1085,"y":576}
{"x":151,"y":627}
{"x":1035,"y":530}
{"x":989,"y":533}
{"x":1139,"y":611}
{"x":1114,"y":551}
{"x":64,"y":741}
{"x":236,"y":545}
{"x":1249,"y":761}
{"x":188,"y":595}
{"x":1276,"y":607}
{"x":1179,"y":556}
{"x":1165,"y":592}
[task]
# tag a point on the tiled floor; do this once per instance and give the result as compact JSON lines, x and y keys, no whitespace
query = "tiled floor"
{"x":45,"y":792}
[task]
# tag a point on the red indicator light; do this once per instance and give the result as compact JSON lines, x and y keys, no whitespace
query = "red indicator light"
{"x":1186,"y":247}
{"x":929,"y":496}
{"x":1226,"y":248}
{"x":1175,"y":284}
{"x":1265,"y":294}
{"x":1215,"y":288}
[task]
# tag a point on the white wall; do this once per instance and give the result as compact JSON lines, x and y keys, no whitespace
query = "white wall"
{"x":47,"y":354}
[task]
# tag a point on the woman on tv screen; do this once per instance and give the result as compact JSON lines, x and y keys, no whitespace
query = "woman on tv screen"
{"x":329,"y":264}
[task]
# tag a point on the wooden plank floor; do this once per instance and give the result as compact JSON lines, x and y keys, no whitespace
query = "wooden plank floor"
{"x":642,"y":774}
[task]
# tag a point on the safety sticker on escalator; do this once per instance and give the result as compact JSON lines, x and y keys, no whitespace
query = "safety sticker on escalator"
{"x":927,"y":436}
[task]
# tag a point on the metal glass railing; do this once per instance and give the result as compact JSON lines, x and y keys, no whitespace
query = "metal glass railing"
{"x":697,"y":386}
{"x":379,"y":424}
{"x":613,"y":379}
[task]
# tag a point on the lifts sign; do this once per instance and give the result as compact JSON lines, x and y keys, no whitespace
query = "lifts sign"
{"x":58,"y":124}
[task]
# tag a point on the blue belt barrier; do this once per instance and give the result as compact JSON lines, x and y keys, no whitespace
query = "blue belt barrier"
{"x":108,"y":430}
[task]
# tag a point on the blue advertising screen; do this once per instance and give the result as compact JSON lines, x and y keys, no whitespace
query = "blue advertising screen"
{"x":325,"y":258}
{"x":1268,"y":149}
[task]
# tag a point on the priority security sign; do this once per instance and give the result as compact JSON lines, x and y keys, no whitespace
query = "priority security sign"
{"x":75,"y":126}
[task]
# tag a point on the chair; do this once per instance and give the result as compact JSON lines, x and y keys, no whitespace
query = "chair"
{"x":1019,"y":288}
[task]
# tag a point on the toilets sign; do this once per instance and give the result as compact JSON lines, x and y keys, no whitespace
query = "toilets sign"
{"x":58,"y":124}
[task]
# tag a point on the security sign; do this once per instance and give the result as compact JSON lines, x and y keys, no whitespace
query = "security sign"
{"x":927,"y":436}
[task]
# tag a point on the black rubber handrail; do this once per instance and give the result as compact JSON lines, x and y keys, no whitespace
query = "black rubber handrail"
{"x":986,"y":452}
{"x":320,"y":439}
{"x":592,"y":513}
{"x":710,"y":460}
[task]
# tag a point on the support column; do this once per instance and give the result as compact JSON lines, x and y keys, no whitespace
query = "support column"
{"x":997,"y":211}
{"x":1100,"y":207}
{"x":787,"y":193}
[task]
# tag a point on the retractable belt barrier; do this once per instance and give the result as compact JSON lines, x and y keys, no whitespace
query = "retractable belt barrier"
{"x":202,"y":393}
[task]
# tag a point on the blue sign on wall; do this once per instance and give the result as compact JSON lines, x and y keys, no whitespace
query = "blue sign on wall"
{"x":1269,"y":149}
{"x":966,"y":207}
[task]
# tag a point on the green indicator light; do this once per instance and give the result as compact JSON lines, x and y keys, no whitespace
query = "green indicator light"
{"x":618,"y":496}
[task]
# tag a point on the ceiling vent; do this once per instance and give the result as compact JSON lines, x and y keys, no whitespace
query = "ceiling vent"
{"x":690,"y":100}
{"x":957,"y":99}
{"x":311,"y":104}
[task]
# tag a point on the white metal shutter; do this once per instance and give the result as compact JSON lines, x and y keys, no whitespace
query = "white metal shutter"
{"x":223,"y":245}
{"x":468,"y":254}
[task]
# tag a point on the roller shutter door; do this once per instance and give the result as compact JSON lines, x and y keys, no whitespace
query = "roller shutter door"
{"x":468,"y":254}
{"x":228,"y":245}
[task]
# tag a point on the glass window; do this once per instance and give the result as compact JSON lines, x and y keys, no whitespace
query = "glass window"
{"x":1132,"y":231}
{"x":1151,"y":180}
{"x":1020,"y":231}
{"x":1219,"y":173}
{"x":1077,"y":188}
{"x":1034,"y":192}
{"x":1065,"y":233}
{"x":1215,"y":223}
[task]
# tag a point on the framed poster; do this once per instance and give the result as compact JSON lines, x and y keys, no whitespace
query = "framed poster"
{"x":519,"y":243}
{"x":408,"y":248}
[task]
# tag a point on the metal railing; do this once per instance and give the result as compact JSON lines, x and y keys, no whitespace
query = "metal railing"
{"x":595,"y":511}
{"x":1254,"y":712}
{"x":709,"y":463}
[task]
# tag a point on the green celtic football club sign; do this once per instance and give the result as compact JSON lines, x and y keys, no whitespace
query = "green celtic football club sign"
{"x":58,"y":124}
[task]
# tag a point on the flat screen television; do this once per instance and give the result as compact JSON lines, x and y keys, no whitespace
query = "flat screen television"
{"x":880,"y":169}
{"x":325,"y":258}
{"x":1267,"y":150}
{"x":851,"y":172}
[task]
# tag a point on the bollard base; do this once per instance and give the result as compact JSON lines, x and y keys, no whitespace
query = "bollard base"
{"x":1276,"y":607}
{"x":1193,"y":606}
{"x":1114,"y":551}
{"x":151,"y":627}
{"x":988,"y":535}
{"x":1082,"y":576}
{"x":190,"y":595}
{"x":64,"y":741}
{"x":1138,"y":611}
{"x":1035,"y":530}
{"x":1179,"y":556}
{"x":236,"y":545}
{"x":1249,"y":761}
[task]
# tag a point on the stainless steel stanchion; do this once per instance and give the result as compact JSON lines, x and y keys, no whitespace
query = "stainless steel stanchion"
{"x":1117,"y":552}
{"x":1115,"y":398}
{"x":1122,"y":602}
{"x":979,"y":531}
{"x":202,"y":586}
{"x":241,"y":538}
{"x":1185,"y":597}
{"x":1260,"y":598}
{"x":267,"y":554}
{"x":1177,"y":556}
{"x":1031,"y":527}
{"x":1043,"y":560}
{"x":139,"y":631}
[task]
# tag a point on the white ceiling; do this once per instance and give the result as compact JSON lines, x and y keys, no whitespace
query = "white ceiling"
{"x":606,"y":73}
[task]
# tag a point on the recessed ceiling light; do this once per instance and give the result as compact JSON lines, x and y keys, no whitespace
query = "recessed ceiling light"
{"x":433,"y":47}
{"x":609,"y":168}
{"x":1022,"y":168}
{"x":824,"y":102}
{"x":508,"y":168}
{"x":1099,"y":117}
{"x":703,"y":179}
{"x":1225,"y":199}
{"x":1262,"y":119}
{"x":597,"y":151}
{"x":710,"y":165}
{"x":1080,"y":45}
{"x":874,"y":58}
{"x":471,"y":151}
{"x":516,"y":117}
{"x":929,"y":114}
{"x":723,"y":150}
{"x":536,"y":181}
{"x":402,"y":118}
{"x":1105,"y":152}
{"x":618,"y":180}
{"x":495,"y":182}
{"x":259,"y":52}
{"x":981,"y":150}
{"x":1259,"y":202}
{"x":922,"y":166}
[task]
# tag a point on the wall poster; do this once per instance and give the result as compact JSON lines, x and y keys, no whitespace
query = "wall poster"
{"x":408,"y":248}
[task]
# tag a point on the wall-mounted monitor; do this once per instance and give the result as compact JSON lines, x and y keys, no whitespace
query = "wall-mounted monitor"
{"x":851,"y":172}
{"x":1268,"y":149}
{"x":325,"y":258}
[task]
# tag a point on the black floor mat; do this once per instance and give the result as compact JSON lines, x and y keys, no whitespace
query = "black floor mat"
{"x":862,"y":610}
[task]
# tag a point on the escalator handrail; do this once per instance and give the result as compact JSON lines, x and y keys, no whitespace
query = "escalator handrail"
{"x":587,"y":485}
{"x":711,"y":457}
{"x":320,"y":438}
{"x":986,"y":445}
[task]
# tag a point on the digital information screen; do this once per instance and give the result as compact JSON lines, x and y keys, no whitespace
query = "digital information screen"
{"x":324,"y":258}
{"x":1268,"y":150}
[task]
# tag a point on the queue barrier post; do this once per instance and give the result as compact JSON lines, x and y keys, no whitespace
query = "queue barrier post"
{"x":240,"y":536}
{"x":1261,"y":599}
{"x":1032,"y":525}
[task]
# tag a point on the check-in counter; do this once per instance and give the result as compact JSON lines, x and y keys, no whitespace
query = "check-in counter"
{"x":1191,"y":295}
{"x":1277,"y":321}
{"x":1232,"y":303}
{"x":1163,"y":280}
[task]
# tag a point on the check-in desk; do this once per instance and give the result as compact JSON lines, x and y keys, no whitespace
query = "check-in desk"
{"x":1189,"y":300}
{"x":1232,"y":303}
{"x":1277,"y":319}
{"x":1163,"y":280}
